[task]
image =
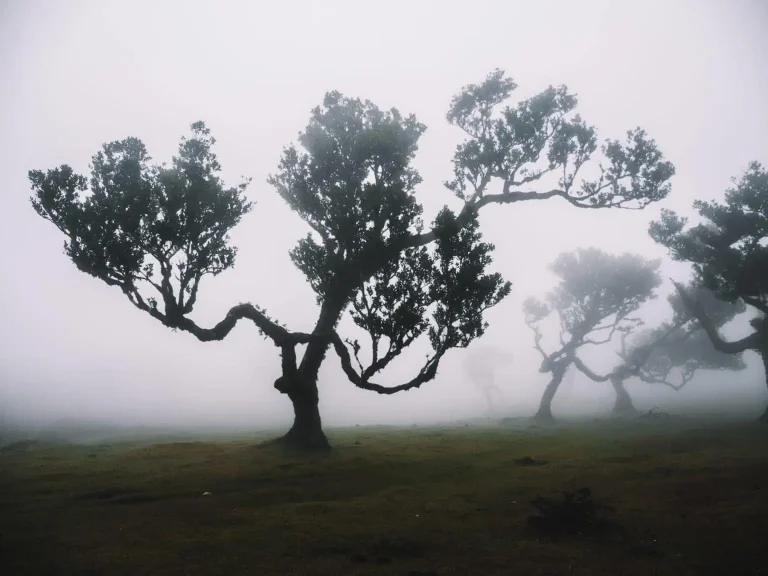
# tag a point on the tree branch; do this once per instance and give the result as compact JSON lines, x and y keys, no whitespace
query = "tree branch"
{"x":650,"y":379}
{"x":589,"y":373}
{"x":751,"y":342}
{"x":427,"y":372}
{"x":754,"y":302}
{"x":537,"y":340}
{"x":173,"y":318}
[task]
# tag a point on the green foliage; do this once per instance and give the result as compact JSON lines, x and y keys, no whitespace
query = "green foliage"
{"x":350,"y":178}
{"x":462,"y":290}
{"x":719,"y":311}
{"x":520,"y":144}
{"x":595,"y":285}
{"x":144,"y":225}
{"x":595,"y":297}
{"x":450,"y":281}
{"x":729,"y":248}
{"x":353,"y":184}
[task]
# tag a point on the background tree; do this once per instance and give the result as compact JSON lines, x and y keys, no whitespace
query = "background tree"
{"x":729,"y":254}
{"x":146,"y":227}
{"x":594,"y":300}
{"x":480,"y":367}
{"x":670,"y":354}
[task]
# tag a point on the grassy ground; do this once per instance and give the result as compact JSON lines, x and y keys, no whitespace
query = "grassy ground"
{"x":689,"y":498}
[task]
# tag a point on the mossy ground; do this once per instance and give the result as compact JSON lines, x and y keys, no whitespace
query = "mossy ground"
{"x":687,"y":498}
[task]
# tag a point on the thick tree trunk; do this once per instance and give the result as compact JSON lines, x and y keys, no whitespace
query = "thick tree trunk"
{"x":623,"y":405}
{"x":330,"y":313}
{"x":307,"y":430}
{"x":544,"y":414}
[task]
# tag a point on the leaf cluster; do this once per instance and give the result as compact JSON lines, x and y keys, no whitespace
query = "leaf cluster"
{"x":519,"y":144}
{"x":595,"y":298}
{"x":729,"y":247}
{"x":352,"y":182}
{"x":134,"y":224}
{"x":450,"y":282}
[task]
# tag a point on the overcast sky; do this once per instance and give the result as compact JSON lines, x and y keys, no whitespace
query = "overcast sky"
{"x":75,"y":74}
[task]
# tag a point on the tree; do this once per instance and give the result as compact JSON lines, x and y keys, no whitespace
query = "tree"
{"x":594,"y":300}
{"x":480,"y":368}
{"x":351,"y":180}
{"x":670,"y":354}
{"x":728,"y":251}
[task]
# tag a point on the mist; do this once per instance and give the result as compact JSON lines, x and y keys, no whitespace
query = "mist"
{"x":77,"y":74}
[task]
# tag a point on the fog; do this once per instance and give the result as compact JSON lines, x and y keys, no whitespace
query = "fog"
{"x":76,"y":74}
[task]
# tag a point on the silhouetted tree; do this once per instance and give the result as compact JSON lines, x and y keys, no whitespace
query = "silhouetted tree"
{"x":351,"y":180}
{"x":594,"y":300}
{"x":729,"y":254}
{"x":671,"y":353}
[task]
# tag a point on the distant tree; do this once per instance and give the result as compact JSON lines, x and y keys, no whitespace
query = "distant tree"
{"x":594,"y":300}
{"x":670,"y":354}
{"x":163,"y":228}
{"x":729,"y":254}
{"x":480,"y":367}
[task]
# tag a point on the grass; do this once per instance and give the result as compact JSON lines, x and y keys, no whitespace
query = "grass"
{"x":685,"y":498}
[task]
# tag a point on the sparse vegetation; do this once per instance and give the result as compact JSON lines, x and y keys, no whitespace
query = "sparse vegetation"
{"x":687,"y":498}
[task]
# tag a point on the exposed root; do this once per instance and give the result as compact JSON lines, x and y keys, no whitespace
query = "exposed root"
{"x":294,"y":441}
{"x":543,"y":417}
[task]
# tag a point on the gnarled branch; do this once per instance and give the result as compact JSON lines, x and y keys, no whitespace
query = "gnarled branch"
{"x":751,"y":342}
{"x":427,"y":372}
{"x":589,"y":373}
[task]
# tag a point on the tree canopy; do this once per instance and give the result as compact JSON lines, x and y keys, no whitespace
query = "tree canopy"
{"x":595,"y":298}
{"x":155,"y":231}
{"x":728,"y":249}
{"x":677,"y":349}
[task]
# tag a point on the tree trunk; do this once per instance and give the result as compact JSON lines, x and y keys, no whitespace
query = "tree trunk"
{"x":489,"y":399}
{"x":307,"y":430}
{"x":623,"y":405}
{"x":330,"y":314}
{"x":544,"y":415}
{"x":764,"y":355}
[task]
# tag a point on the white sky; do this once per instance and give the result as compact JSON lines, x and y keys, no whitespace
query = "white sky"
{"x":76,"y":74}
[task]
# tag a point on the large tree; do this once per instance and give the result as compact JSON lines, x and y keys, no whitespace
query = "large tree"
{"x":670,"y":354}
{"x":728,"y":251}
{"x":140,"y":227}
{"x":595,"y":299}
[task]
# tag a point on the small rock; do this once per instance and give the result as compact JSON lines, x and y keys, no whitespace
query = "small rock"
{"x":528,"y":461}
